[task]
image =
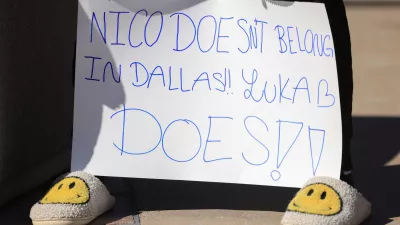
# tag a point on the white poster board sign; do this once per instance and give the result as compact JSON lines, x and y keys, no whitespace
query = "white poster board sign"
{"x":215,"y":91}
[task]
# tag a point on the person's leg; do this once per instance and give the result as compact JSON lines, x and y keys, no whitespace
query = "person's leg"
{"x":342,"y":41}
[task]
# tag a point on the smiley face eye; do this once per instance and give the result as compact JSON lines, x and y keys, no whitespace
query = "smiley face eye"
{"x":323,"y":195}
{"x":59,"y":187}
{"x":310,"y":192}
{"x":71,"y":185}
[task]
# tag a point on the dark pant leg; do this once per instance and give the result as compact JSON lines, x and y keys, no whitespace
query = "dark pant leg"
{"x":341,"y":38}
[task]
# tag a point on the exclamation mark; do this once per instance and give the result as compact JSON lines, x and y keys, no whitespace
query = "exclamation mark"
{"x":289,"y":136}
{"x":229,"y":79}
{"x":316,"y":147}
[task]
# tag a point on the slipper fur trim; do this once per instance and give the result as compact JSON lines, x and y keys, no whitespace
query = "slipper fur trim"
{"x":64,"y":207}
{"x":354,"y":207}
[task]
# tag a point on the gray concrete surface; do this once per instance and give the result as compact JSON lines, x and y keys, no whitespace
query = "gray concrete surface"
{"x":376,"y":45}
{"x":375,"y":35}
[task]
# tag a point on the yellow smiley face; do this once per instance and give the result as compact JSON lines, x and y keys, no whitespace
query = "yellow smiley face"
{"x":318,"y":199}
{"x":70,"y":190}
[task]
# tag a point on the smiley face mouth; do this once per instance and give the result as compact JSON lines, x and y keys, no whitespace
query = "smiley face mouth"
{"x":306,"y":208}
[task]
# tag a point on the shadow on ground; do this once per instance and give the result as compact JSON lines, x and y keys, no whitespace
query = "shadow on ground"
{"x":376,"y":142}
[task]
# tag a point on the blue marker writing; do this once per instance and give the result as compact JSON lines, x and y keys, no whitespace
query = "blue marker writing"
{"x":256,"y":139}
{"x":103,"y":32}
{"x":219,"y":34}
{"x":122,"y":147}
{"x":92,"y":69}
{"x":211,"y":118}
{"x":117,"y":28}
{"x":189,"y":123}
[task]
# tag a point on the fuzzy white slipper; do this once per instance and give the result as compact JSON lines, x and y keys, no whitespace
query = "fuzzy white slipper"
{"x":325,"y":200}
{"x":76,"y":199}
